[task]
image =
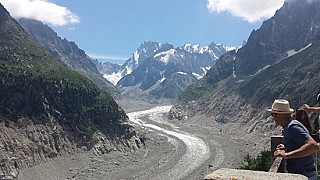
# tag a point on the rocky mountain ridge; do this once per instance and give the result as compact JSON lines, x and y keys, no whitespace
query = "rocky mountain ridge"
{"x":242,"y":84}
{"x":293,"y":27}
{"x":68,"y":53}
{"x":49,"y":110}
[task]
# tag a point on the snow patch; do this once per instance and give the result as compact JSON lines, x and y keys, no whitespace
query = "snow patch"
{"x":293,"y":52}
{"x":136,"y":57}
{"x":240,"y":81}
{"x":183,"y":73}
{"x":113,"y":78}
{"x":261,"y":70}
{"x":230,"y":48}
{"x":128,"y":70}
{"x":165,"y":56}
{"x":194,"y":48}
{"x":162,"y":79}
{"x":198,"y":76}
{"x":233,"y":69}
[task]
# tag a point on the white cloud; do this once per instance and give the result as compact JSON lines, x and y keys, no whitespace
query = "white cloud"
{"x":99,"y":56}
{"x":41,"y":10}
{"x":249,"y":10}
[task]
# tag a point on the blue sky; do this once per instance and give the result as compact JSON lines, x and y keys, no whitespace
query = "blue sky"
{"x":115,"y":28}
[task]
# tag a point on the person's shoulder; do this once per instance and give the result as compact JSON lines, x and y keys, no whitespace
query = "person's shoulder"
{"x":294,"y":122}
{"x":297,"y":125}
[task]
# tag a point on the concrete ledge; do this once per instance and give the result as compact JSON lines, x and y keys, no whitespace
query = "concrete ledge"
{"x":235,"y":174}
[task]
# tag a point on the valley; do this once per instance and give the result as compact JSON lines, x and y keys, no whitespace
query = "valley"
{"x":172,"y":150}
{"x":166,"y":113}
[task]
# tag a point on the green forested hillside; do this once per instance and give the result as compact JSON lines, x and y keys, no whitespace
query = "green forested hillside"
{"x":48,"y":110}
{"x":34,"y":85}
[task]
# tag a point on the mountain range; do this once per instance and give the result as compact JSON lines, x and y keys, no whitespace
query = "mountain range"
{"x":158,"y":71}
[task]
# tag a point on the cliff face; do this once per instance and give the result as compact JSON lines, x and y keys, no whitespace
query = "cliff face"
{"x":48,"y":110}
{"x":293,"y":27}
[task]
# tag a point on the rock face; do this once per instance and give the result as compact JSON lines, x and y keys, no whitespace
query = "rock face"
{"x":68,"y":53}
{"x":47,"y":110}
{"x":280,"y":60}
{"x":293,"y":27}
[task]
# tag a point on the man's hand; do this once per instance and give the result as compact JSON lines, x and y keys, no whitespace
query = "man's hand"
{"x":305,"y":106}
{"x":280,"y":147}
{"x":280,"y":153}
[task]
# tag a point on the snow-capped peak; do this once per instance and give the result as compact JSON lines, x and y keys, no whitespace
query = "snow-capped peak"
{"x":193,"y":48}
{"x":165,"y":56}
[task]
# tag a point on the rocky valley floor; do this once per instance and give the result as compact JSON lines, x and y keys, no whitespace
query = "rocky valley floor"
{"x":157,"y":158}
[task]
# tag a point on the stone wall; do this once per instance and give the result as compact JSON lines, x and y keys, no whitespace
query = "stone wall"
{"x":235,"y":174}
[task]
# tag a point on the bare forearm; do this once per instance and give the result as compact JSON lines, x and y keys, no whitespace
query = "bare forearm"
{"x":314,"y":109}
{"x":305,"y":150}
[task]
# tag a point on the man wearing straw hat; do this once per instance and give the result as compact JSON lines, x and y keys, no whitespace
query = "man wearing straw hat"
{"x":298,"y":146}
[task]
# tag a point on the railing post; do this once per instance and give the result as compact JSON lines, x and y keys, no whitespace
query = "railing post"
{"x":317,"y":139}
{"x":275,"y":140}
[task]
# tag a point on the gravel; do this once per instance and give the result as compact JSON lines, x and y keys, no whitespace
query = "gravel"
{"x":174,"y":150}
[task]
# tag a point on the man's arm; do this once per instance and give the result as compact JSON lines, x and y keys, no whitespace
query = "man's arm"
{"x":310,"y":147}
{"x":312,"y":109}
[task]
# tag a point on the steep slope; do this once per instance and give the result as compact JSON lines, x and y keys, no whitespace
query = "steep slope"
{"x":293,"y":27}
{"x":163,"y":71}
{"x":68,"y":53}
{"x":280,"y":60}
{"x":48,"y":110}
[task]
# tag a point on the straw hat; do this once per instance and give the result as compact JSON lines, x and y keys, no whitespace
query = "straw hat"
{"x":281,"y":106}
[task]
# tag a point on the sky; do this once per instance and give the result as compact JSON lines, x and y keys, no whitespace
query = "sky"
{"x":113,"y":29}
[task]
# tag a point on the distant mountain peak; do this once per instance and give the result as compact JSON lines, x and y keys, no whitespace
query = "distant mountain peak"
{"x":161,"y":70}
